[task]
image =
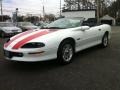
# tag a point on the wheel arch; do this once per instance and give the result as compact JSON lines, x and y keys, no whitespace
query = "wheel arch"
{"x":67,"y":39}
{"x":59,"y":57}
{"x":107,"y":32}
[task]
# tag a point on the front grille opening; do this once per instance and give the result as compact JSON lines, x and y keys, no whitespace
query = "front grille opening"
{"x":12,"y":54}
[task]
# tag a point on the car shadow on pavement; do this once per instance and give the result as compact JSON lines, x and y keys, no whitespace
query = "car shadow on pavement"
{"x":47,"y":65}
{"x":88,"y":51}
{"x":33,"y":66}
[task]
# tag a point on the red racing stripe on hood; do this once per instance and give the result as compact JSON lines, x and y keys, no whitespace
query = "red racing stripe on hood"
{"x":18,"y":36}
{"x":29,"y":38}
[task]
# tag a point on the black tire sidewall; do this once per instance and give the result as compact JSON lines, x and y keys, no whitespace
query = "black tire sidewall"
{"x":105,"y":36}
{"x":60,"y":54}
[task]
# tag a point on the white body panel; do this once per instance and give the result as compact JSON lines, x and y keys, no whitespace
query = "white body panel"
{"x":83,"y":40}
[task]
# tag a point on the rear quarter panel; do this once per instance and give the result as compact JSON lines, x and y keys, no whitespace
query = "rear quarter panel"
{"x":105,"y":28}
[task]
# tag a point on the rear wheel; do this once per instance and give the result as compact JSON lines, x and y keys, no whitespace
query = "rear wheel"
{"x":66,"y":52}
{"x":105,"y":40}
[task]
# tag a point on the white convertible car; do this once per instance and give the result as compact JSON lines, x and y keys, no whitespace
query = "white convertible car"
{"x":59,"y":40}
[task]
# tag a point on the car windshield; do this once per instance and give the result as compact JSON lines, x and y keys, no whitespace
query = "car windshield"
{"x":65,"y":23}
{"x":6,"y":25}
{"x":25,"y":24}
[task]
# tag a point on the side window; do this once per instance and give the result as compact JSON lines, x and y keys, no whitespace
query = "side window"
{"x":91,"y":22}
{"x":85,"y":23}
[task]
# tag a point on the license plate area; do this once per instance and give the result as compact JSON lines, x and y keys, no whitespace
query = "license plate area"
{"x":7,"y":54}
{"x":12,"y":54}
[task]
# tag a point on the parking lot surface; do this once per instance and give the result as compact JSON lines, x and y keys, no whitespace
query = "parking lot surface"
{"x":92,"y":69}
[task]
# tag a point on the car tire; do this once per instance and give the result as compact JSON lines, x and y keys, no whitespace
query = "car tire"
{"x":65,"y":52}
{"x":105,"y":41}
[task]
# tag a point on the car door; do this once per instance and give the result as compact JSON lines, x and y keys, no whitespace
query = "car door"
{"x":88,"y":38}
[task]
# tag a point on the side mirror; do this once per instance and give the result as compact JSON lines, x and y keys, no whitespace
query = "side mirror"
{"x":84,"y":28}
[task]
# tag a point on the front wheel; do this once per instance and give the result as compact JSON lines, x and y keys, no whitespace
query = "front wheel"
{"x":105,"y":40}
{"x":66,"y":52}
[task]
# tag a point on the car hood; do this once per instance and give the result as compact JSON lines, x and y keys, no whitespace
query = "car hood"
{"x":17,"y":41}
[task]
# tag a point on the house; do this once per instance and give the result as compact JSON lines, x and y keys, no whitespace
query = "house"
{"x":80,"y":13}
{"x":108,"y":20}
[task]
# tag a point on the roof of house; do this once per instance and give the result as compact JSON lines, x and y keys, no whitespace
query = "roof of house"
{"x":78,"y":10}
{"x":107,"y":17}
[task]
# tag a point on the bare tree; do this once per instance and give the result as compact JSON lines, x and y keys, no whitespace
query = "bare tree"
{"x":79,"y":4}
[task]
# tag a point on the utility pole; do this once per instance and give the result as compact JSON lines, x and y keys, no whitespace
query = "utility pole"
{"x":43,"y":9}
{"x":60,"y":9}
{"x":44,"y":13}
{"x":1,"y":7}
{"x":98,"y":11}
{"x":15,"y":16}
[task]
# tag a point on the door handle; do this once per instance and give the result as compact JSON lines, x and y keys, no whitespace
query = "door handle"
{"x":99,"y":29}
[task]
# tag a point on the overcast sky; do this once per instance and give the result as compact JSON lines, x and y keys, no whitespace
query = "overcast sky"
{"x":31,"y":6}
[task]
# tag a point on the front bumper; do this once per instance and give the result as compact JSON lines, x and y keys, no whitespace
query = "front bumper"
{"x":30,"y":56}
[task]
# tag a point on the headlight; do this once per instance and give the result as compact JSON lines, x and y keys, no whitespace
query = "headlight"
{"x":33,"y":45}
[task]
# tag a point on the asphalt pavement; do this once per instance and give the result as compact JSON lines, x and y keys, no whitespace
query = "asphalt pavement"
{"x":92,"y":69}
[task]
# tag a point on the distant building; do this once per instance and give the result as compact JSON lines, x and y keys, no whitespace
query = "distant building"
{"x":79,"y":8}
{"x":108,"y":20}
{"x":80,"y":13}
